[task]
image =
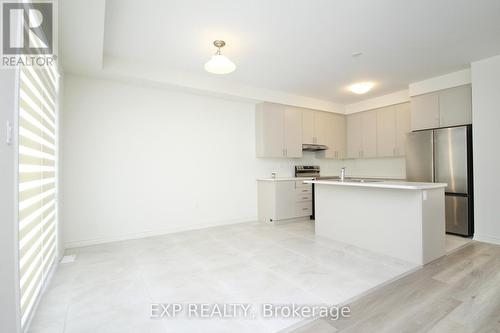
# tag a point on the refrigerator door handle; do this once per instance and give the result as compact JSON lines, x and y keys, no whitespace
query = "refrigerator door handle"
{"x":433,"y":157}
{"x":453,"y":194}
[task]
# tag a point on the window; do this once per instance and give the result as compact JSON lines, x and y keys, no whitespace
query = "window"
{"x":37,"y":182}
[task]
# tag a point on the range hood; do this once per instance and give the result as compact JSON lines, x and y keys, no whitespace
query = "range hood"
{"x":313,"y":147}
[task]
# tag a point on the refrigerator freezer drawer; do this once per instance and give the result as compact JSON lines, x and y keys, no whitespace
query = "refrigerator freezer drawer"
{"x":457,"y":215}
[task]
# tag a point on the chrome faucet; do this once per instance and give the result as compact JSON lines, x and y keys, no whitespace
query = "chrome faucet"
{"x":342,"y":174}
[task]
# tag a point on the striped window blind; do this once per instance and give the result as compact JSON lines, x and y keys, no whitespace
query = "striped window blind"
{"x":37,"y":182}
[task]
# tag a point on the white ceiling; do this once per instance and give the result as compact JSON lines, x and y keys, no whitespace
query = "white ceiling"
{"x":303,"y":47}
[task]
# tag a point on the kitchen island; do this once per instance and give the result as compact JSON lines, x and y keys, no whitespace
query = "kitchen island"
{"x":404,"y":220}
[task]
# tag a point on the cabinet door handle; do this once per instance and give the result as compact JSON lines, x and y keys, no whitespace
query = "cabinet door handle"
{"x":394,"y":151}
{"x":305,"y":208}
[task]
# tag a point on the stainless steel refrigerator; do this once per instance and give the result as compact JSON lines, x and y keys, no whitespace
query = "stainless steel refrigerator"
{"x":445,"y":156}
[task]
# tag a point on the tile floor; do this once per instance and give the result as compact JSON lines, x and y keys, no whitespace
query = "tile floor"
{"x":110,"y":287}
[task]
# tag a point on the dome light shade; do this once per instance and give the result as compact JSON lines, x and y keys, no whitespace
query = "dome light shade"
{"x":361,"y":88}
{"x":219,"y":64}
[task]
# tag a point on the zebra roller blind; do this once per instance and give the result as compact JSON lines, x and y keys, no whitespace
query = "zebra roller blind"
{"x":37,"y":182}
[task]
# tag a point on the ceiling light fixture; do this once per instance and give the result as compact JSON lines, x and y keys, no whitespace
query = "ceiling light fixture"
{"x":361,"y":87}
{"x":219,"y":64}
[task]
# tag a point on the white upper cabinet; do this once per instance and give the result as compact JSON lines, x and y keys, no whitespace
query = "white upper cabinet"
{"x":354,"y":137}
{"x":335,"y":136}
{"x":338,"y":148}
{"x":393,"y":124}
{"x":425,"y":111}
{"x":269,"y":130}
{"x":362,"y":135}
{"x":321,"y":127}
{"x":315,"y":129}
{"x":278,"y":131}
{"x":308,"y":127}
{"x":292,"y":133}
{"x":369,"y":134}
{"x":455,"y":106}
{"x":386,"y":131}
{"x":444,"y":108}
{"x":403,"y":121}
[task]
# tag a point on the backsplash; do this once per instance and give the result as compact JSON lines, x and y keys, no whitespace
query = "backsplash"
{"x":376,"y":167}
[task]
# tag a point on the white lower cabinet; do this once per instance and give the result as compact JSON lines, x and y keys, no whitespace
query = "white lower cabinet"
{"x":282,"y":200}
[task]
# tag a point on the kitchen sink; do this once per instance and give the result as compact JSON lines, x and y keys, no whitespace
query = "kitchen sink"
{"x":350,"y":180}
{"x":362,"y":180}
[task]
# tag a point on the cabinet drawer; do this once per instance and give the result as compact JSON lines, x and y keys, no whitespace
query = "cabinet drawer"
{"x":303,"y":208}
{"x":303,"y":191}
{"x":300,"y":184}
{"x":299,"y":197}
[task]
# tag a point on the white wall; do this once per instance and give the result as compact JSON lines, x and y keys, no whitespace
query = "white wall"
{"x":140,"y":161}
{"x":454,"y":79}
{"x":486,"y":137}
{"x":394,"y":98}
{"x":9,"y":305}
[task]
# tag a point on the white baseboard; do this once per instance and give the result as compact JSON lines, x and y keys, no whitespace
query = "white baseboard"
{"x":151,"y":233}
{"x":487,"y":239}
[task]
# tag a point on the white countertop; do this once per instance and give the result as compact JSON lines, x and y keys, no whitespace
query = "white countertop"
{"x":381,"y":184}
{"x":284,"y":179}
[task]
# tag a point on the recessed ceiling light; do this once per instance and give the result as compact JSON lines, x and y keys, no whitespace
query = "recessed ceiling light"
{"x":361,"y":87}
{"x":219,"y":64}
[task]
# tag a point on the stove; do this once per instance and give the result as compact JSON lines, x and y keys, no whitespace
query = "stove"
{"x":307,"y":171}
{"x":310,"y":171}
